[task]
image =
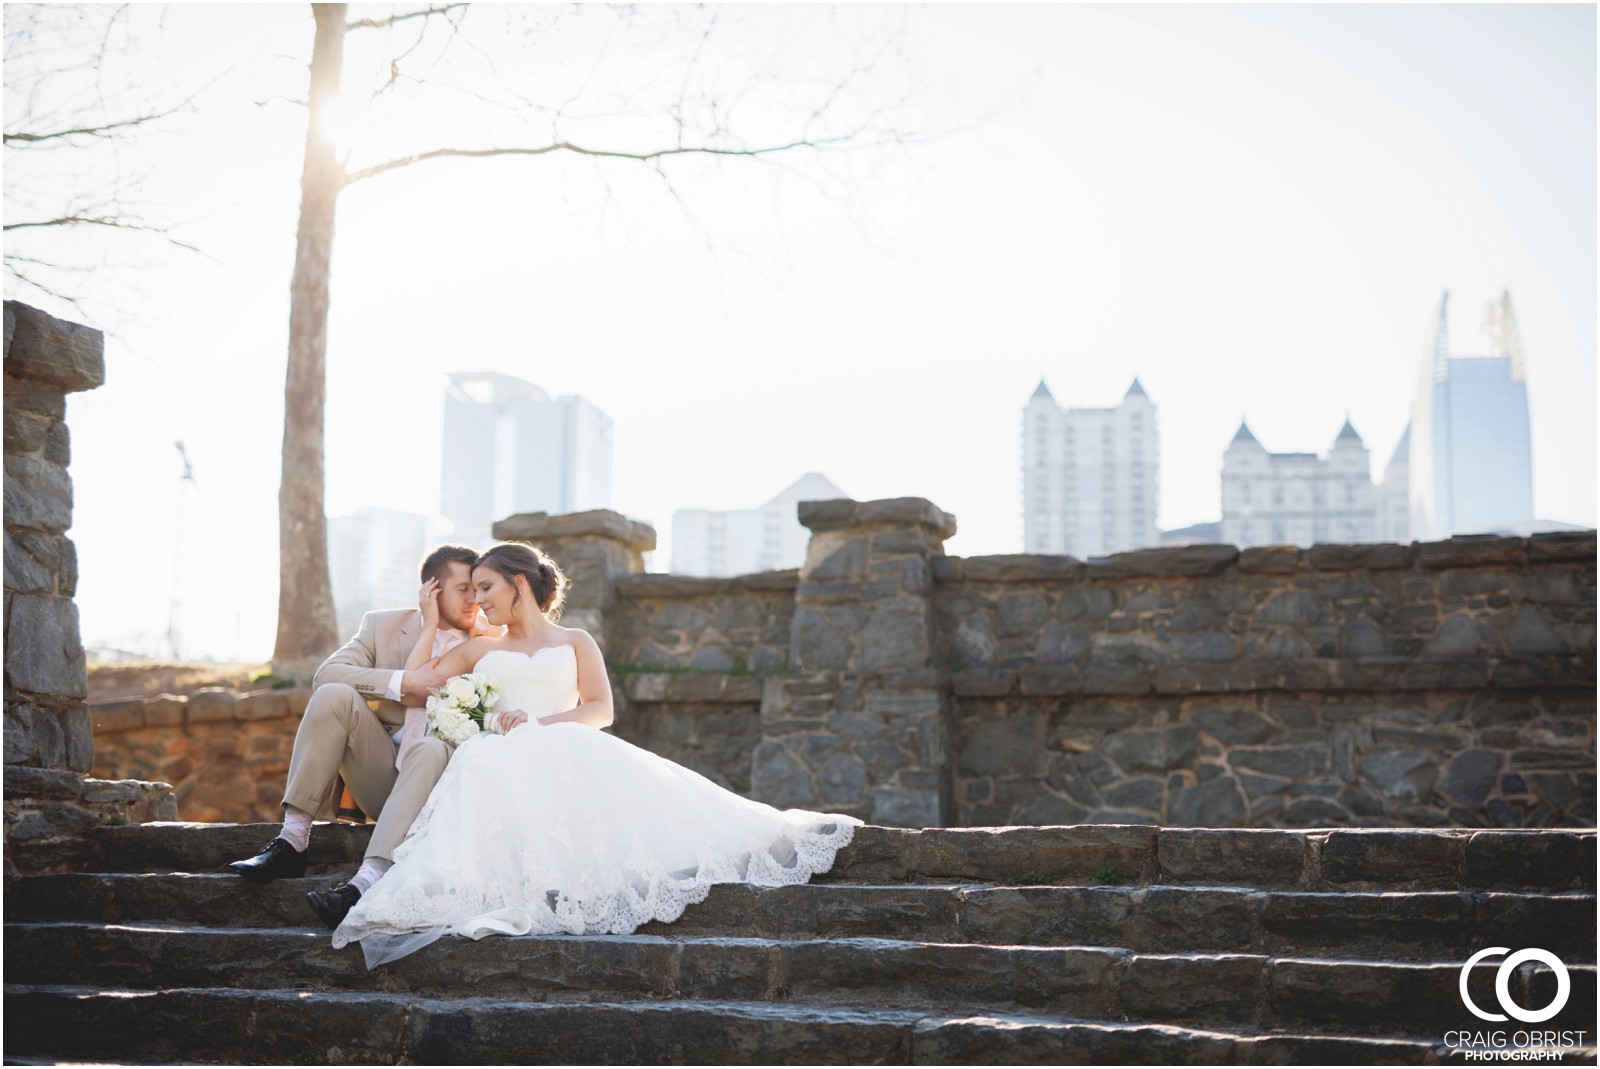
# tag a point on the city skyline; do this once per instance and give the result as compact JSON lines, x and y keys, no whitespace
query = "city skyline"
{"x":1474,"y":458}
{"x":1252,"y":209}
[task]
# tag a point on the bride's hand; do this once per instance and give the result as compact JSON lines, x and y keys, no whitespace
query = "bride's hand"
{"x":512,"y":719}
{"x":428,"y":602}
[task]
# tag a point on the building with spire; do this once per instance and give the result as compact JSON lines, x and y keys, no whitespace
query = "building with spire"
{"x":1469,"y":454}
{"x":1298,"y":498}
{"x":1090,"y":476}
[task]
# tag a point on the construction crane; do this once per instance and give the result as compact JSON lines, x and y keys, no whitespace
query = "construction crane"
{"x":175,"y":607}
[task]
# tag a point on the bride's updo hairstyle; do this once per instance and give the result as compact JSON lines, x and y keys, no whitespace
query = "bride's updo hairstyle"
{"x":544,"y":576}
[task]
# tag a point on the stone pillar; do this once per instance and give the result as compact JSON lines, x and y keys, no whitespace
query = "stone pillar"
{"x":861,"y":725}
{"x":47,"y":724}
{"x":593,"y":549}
{"x":49,"y":736}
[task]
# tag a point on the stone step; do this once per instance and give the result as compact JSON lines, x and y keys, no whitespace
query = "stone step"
{"x":263,"y":1027}
{"x":1337,"y":859}
{"x":1407,"y":925}
{"x":1263,"y":994}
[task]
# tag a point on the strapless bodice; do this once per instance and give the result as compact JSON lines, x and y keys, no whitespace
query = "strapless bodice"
{"x":538,"y":683}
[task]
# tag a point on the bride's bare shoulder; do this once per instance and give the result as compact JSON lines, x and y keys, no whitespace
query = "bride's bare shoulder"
{"x":578,"y":638}
{"x":475,"y":648}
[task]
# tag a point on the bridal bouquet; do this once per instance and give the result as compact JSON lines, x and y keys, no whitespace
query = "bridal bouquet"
{"x":456,"y":710}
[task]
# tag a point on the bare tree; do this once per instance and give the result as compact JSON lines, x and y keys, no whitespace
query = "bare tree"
{"x":679,"y":109}
{"x":306,"y":621}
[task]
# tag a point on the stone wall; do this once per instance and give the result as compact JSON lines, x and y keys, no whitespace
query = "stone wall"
{"x":675,"y":622}
{"x":49,"y":739}
{"x":1439,"y":683}
{"x":225,"y":753}
{"x":689,"y":656}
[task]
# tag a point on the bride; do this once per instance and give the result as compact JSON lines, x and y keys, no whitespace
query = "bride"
{"x":543,"y":823}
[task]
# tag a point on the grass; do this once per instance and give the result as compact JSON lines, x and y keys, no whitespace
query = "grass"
{"x":1108,"y":874}
{"x":272,"y":680}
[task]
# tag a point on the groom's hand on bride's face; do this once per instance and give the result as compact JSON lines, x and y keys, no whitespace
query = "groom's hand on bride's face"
{"x":416,"y":683}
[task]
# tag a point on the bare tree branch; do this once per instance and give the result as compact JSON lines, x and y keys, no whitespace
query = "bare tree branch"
{"x":75,"y":137}
{"x":615,"y":154}
{"x":394,"y":66}
{"x":688,"y":77}
{"x":821,"y":110}
{"x":102,"y":131}
{"x":28,"y":279}
{"x":378,"y":24}
{"x":93,"y":220}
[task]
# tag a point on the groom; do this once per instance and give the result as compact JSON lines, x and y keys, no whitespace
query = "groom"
{"x":389,"y":768}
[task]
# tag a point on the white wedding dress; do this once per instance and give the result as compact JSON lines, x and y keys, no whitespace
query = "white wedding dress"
{"x":566,"y":829}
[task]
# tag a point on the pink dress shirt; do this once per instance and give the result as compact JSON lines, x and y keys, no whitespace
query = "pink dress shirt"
{"x":416,"y":725}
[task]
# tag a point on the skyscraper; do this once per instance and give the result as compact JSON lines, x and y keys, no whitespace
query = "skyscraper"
{"x":1090,"y":476}
{"x":1470,"y":448}
{"x":1394,"y":496}
{"x":741,"y":541}
{"x":510,"y":447}
{"x":375,"y":558}
{"x":1298,"y":498}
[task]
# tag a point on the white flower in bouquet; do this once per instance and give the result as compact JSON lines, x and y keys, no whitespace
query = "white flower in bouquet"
{"x":452,"y":726}
{"x":456,"y":710}
{"x":488,"y":692}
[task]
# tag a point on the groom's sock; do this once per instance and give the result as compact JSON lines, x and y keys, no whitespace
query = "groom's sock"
{"x":296,"y":828}
{"x":370,"y":872}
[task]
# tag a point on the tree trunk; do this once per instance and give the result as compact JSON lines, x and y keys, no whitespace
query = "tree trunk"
{"x":307,"y":627}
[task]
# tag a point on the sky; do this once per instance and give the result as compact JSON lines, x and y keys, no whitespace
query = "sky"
{"x":1254,"y":209}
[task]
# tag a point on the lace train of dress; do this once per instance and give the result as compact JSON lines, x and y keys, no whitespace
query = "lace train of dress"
{"x":565,"y":829}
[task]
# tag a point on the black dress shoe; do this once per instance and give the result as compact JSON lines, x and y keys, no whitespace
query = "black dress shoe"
{"x":332,"y":905}
{"x":276,"y":861}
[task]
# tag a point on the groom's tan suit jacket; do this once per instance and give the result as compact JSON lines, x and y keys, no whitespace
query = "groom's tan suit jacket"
{"x":368,"y":662}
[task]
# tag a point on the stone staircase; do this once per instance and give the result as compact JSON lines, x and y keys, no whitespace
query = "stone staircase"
{"x":1071,"y":945}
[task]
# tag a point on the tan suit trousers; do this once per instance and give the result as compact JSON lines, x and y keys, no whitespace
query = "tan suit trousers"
{"x":338,"y":731}
{"x":419,"y":772}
